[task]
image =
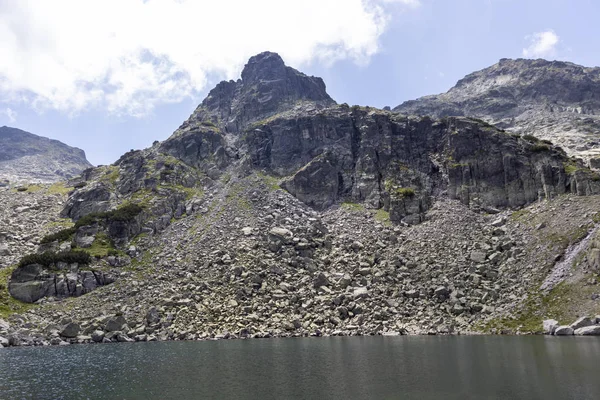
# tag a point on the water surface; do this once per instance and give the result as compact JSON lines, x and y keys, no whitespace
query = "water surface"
{"x":481,"y":367}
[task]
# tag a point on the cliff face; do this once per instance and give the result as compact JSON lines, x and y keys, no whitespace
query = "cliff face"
{"x":25,"y":157}
{"x":280,"y":122}
{"x":273,"y":211}
{"x":552,"y":100}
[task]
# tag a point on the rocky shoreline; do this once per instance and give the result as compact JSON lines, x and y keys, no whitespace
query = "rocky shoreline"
{"x":584,"y":326}
{"x":116,"y":331}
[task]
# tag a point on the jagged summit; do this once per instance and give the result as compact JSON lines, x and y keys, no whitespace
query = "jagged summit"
{"x":264,"y":66}
{"x":25,"y":157}
{"x":553,"y":100}
{"x":267,"y":87}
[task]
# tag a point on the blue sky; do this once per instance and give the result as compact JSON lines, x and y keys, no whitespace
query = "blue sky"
{"x":113,"y":75}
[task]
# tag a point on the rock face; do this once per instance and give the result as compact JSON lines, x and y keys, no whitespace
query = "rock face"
{"x":25,"y":157}
{"x":32,"y":282}
{"x":278,"y":120}
{"x":551,"y":100}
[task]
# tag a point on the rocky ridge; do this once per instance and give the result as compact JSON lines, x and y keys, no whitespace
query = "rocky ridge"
{"x":551,"y":100}
{"x":25,"y":157}
{"x":303,"y":217}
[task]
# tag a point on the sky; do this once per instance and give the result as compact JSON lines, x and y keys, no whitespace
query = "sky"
{"x":109,"y":76}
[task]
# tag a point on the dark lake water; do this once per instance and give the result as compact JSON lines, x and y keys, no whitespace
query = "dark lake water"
{"x":482,"y":367}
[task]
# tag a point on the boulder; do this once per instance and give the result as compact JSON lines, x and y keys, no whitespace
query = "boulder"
{"x":115,"y":324}
{"x":441,"y":293}
{"x":563,"y":330}
{"x":98,"y":336}
{"x":152,"y":316}
{"x":593,"y":330}
{"x":321,"y":280}
{"x":478,"y":256}
{"x":582,"y":323}
{"x":70,"y":330}
{"x":4,"y":250}
{"x":360,"y":292}
{"x":550,"y":326}
{"x":280,"y":233}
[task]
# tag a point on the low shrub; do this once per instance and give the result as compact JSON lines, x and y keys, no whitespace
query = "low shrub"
{"x":538,"y":147}
{"x":50,"y":258}
{"x":125,"y":213}
{"x":60,"y":236}
{"x":405,"y":192}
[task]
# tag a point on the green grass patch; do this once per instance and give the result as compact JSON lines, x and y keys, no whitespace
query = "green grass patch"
{"x":383,"y":216}
{"x":59,"y":188}
{"x":271,"y":182}
{"x":520,"y":215}
{"x":570,"y":168}
{"x":565,"y":303}
{"x":111,"y":175}
{"x":102,"y":247}
{"x":350,"y":206}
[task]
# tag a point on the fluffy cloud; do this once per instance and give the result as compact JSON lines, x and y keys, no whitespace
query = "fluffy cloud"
{"x":127,"y":56}
{"x":10,"y":114}
{"x":542,"y":44}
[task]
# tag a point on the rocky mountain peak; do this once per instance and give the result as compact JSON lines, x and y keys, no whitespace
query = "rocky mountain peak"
{"x":552,"y":100}
{"x":267,"y":87}
{"x":264,"y":66}
{"x":25,"y":157}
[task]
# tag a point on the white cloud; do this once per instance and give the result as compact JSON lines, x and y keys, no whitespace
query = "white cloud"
{"x":412,"y":3}
{"x":10,"y":114}
{"x":127,"y":56}
{"x":542,"y":44}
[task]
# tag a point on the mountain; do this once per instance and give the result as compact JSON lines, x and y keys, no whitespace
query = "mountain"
{"x":274,"y":211}
{"x":552,"y":100}
{"x":25,"y":157}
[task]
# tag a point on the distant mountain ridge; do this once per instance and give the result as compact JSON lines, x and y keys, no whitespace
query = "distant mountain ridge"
{"x":25,"y":157}
{"x":553,"y":100}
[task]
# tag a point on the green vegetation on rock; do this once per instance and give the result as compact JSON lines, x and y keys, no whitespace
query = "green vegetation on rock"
{"x":60,"y":236}
{"x":50,"y":258}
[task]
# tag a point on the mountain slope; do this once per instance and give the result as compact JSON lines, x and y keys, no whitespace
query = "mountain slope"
{"x":25,"y":157}
{"x":552,"y":100}
{"x":273,"y":211}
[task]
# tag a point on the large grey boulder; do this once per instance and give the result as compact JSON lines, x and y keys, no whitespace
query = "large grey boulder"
{"x":97,"y":336}
{"x":115,"y":324}
{"x":563,"y":330}
{"x":71,"y":330}
{"x":582,"y":323}
{"x":550,"y":326}
{"x":593,"y":330}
